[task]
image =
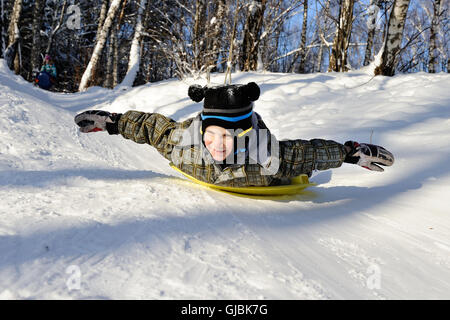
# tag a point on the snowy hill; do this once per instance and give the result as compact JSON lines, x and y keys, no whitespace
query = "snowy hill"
{"x":97,"y":216}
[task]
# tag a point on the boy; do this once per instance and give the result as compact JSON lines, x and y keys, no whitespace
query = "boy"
{"x":228,"y":144}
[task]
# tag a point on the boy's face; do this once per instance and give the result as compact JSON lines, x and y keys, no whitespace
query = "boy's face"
{"x":219,"y":142}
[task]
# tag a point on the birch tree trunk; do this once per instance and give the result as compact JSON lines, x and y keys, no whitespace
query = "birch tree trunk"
{"x":100,"y":43}
{"x":12,"y":50}
{"x":320,"y":57}
{"x":338,"y":58}
{"x":252,"y":30}
{"x":109,"y":62}
{"x":36,"y":46}
{"x":323,"y":42}
{"x":3,"y":27}
{"x":371,"y":25}
{"x":135,"y":56}
{"x":101,"y":21}
{"x":102,"y":17}
{"x":433,"y":34}
{"x":115,"y":37}
{"x":115,"y":57}
{"x":301,"y":67}
{"x":393,"y":41}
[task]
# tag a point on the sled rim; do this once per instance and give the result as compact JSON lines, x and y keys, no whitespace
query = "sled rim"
{"x":298,"y":184}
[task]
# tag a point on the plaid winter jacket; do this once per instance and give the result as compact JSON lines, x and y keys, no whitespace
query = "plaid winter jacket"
{"x":181,"y":143}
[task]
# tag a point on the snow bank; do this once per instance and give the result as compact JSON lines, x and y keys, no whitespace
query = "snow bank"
{"x":97,"y":216}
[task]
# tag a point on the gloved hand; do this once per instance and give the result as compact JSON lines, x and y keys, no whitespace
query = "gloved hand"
{"x":368,"y":156}
{"x":98,"y":120}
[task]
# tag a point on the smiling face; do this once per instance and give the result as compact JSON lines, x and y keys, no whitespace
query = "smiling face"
{"x":218,"y":141}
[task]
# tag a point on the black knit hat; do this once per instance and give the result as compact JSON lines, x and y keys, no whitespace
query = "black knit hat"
{"x":227,"y":106}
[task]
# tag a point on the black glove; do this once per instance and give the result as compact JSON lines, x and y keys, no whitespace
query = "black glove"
{"x":98,"y":120}
{"x":368,"y":156}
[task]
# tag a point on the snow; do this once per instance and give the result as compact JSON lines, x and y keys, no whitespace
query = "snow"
{"x":98,"y":216}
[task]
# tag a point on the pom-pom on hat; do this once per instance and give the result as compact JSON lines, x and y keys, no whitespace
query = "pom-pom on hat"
{"x":227,"y":106}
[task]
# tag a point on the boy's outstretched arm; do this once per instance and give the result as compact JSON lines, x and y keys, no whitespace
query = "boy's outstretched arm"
{"x":145,"y":128}
{"x":305,"y":156}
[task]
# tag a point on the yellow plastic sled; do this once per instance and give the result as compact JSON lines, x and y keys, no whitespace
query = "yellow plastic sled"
{"x":298,"y":184}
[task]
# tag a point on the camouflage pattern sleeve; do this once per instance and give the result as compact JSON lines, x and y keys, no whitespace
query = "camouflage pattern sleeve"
{"x":152,"y":128}
{"x":303,"y":156}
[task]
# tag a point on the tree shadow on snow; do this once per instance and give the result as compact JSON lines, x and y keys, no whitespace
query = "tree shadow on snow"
{"x":44,"y":177}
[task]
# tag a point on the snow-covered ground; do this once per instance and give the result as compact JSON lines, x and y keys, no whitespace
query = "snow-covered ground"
{"x":98,"y":216}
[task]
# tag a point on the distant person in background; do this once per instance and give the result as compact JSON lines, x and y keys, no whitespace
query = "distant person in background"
{"x":49,"y":66}
{"x":47,"y":77}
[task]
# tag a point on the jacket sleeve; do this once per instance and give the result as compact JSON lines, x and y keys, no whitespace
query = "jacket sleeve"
{"x":303,"y":156}
{"x":152,"y":128}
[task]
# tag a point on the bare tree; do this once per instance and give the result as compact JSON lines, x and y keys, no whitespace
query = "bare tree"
{"x":338,"y":58}
{"x":277,"y":12}
{"x":12,"y":53}
{"x":301,"y":67}
{"x":110,"y":59}
{"x":301,"y":51}
{"x":115,"y":33}
{"x":371,"y":25}
{"x":111,"y":76}
{"x":433,"y":35}
{"x":198,"y":34}
{"x":215,"y":35}
{"x":414,"y":55}
{"x":135,"y":56}
{"x":102,"y":17}
{"x":169,"y":38}
{"x":393,"y":40}
{"x":101,"y":39}
{"x":36,"y":46}
{"x":322,"y":17}
{"x":58,"y":23}
{"x":232,"y":41}
{"x":108,"y":70}
{"x":444,"y":36}
{"x":249,"y":51}
{"x":3,"y":26}
{"x":142,"y":40}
